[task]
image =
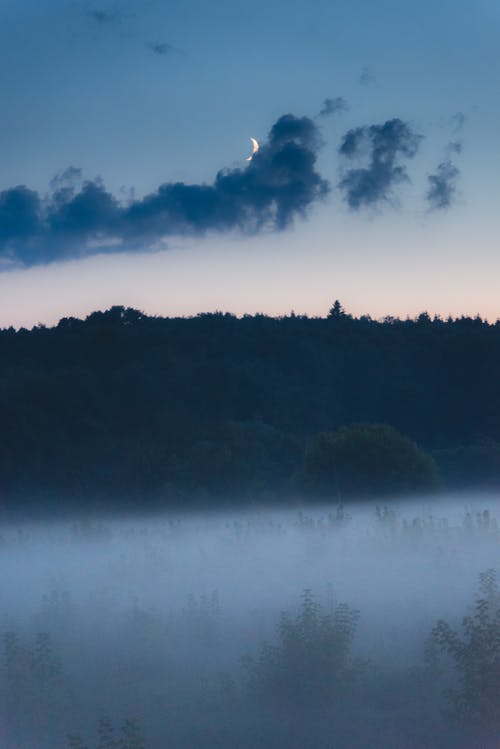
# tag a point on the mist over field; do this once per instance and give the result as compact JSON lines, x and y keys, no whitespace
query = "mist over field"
{"x":313,"y":626}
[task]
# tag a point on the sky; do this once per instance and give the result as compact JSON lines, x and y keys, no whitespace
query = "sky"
{"x":125,"y":132}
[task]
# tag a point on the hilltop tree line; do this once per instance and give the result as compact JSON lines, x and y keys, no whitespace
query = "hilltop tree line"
{"x":126,"y":405}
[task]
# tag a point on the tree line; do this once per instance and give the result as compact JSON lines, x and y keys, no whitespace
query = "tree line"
{"x":126,"y":405}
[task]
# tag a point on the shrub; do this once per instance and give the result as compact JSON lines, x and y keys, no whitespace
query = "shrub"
{"x":311,"y":661}
{"x":475,"y":654}
{"x":366,"y":460}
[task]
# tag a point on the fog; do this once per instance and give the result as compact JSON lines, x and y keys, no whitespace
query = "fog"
{"x":155,"y":626}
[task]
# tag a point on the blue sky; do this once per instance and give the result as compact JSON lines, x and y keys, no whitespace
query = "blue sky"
{"x":142,"y":94}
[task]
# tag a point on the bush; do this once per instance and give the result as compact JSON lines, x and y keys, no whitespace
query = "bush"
{"x":366,"y":460}
{"x":311,"y":661}
{"x":475,"y":654}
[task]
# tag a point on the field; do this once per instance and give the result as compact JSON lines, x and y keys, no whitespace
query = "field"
{"x":313,"y":627}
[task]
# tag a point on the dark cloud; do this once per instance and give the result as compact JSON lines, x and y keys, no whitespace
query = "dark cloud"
{"x":20,"y":214}
{"x":442,"y":185}
{"x":366,"y":77}
{"x":384,"y":147}
{"x":280,"y":183}
{"x":101,"y":15}
{"x":161,"y":48}
{"x":333,"y":106}
{"x":84,"y":213}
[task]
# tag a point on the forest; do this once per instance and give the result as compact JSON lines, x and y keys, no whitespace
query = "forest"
{"x":122,"y":408}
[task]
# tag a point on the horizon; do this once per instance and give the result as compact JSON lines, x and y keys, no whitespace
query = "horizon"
{"x":290,"y":314}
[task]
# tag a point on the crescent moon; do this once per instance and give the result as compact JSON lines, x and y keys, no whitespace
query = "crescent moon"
{"x":255,"y":149}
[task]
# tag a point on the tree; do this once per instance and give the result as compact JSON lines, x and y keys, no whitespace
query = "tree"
{"x":475,"y":655}
{"x":366,"y":460}
{"x":311,"y":661}
{"x":336,"y":310}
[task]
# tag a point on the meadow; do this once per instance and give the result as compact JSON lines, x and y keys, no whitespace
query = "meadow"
{"x":319,"y":627}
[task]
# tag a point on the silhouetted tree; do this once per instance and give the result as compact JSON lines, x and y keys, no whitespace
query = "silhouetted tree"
{"x":336,"y":310}
{"x":366,"y":460}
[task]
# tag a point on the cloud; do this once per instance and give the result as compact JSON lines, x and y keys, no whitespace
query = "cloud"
{"x":67,"y":178}
{"x":454,"y":147}
{"x":103,"y":16}
{"x":160,"y":48}
{"x":366,"y":77}
{"x":333,"y":106}
{"x":442,"y":185}
{"x":20,"y":214}
{"x":458,"y":121}
{"x":78,"y":218}
{"x":384,"y":146}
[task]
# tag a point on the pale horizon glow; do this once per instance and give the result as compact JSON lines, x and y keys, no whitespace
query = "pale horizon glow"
{"x":242,"y":277}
